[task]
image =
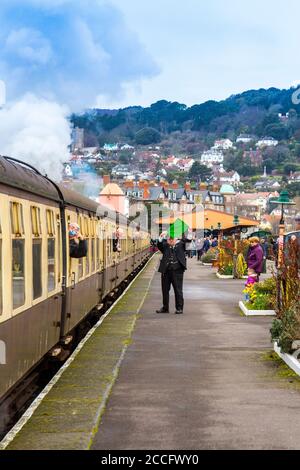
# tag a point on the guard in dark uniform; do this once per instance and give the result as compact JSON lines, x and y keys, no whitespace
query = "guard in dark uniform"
{"x":172,"y":267}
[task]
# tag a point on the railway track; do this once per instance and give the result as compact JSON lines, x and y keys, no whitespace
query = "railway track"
{"x":27,"y":390}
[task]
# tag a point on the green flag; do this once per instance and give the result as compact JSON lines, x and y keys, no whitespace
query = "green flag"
{"x":177,"y":229}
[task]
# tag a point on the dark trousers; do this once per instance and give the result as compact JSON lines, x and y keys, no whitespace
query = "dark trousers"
{"x":174,"y":278}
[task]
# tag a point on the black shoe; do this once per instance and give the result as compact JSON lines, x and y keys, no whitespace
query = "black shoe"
{"x":162,"y":310}
{"x":179,"y":312}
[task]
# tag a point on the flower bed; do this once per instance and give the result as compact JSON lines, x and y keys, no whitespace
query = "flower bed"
{"x":224,"y":276}
{"x":260,"y":298}
{"x":285,"y":329}
{"x":255,"y":313}
{"x":209,"y":257}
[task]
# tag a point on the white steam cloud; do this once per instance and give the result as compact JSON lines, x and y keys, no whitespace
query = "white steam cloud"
{"x":61,"y":51}
{"x":36,"y":131}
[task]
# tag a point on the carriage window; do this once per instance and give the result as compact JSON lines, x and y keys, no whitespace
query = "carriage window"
{"x":18,"y":254}
{"x":51,"y":264}
{"x":87,"y":234}
{"x":59,"y":248}
{"x":1,"y":302}
{"x":51,"y":249}
{"x":36,"y":252}
{"x":37,"y":268}
{"x":80,"y":267}
{"x":36,"y":221}
{"x":93,"y":254}
{"x":50,"y":223}
{"x":18,"y":272}
{"x":16,"y":215}
{"x":93,"y":245}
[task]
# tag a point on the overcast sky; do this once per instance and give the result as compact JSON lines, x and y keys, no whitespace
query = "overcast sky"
{"x":210,"y":49}
{"x":116,"y":53}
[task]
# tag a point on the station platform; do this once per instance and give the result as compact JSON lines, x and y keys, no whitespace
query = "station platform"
{"x":206,"y":379}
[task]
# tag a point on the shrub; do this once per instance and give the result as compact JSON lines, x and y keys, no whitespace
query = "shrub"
{"x":226,"y":270}
{"x":241,"y":266}
{"x":209,"y":256}
{"x":285,"y":330}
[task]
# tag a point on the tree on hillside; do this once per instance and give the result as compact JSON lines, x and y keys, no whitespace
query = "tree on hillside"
{"x":199,"y":171}
{"x":147,"y":136}
{"x":294,"y":189}
{"x":290,"y":167}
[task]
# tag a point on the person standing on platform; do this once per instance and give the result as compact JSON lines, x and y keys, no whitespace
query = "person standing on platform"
{"x":172,"y":268}
{"x":199,"y":248}
{"x":206,"y":244}
{"x":255,"y":256}
{"x":214,"y":243}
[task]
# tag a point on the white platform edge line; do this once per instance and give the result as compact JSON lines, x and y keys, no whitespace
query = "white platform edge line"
{"x":29,"y":412}
{"x":291,"y":361}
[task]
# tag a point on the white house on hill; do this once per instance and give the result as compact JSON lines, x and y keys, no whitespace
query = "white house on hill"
{"x":212,"y":156}
{"x":224,"y":144}
{"x":267,"y":142}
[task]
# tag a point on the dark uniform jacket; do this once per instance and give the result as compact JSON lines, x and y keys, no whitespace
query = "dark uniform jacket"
{"x":179,"y":251}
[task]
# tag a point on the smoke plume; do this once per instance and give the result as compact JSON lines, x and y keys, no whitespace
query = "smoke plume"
{"x":36,"y":131}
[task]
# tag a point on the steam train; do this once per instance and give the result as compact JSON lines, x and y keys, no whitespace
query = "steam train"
{"x":44,"y":293}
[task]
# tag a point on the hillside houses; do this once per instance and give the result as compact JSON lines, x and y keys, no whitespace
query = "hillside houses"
{"x":211,"y":157}
{"x":245,"y":139}
{"x":223,"y":144}
{"x":180,"y":164}
{"x":267,"y":142}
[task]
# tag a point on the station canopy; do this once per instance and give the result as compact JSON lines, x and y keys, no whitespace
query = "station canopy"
{"x":207,"y":219}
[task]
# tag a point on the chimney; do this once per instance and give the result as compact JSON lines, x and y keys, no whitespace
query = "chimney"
{"x":146,"y":190}
{"x":106,"y":180}
{"x":187,"y":186}
{"x":175,"y":185}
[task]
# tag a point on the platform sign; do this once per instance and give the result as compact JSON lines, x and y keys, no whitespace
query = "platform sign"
{"x":177,"y":229}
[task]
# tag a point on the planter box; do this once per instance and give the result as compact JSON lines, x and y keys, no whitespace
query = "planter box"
{"x":256,"y":313}
{"x":290,"y":360}
{"x":224,"y":276}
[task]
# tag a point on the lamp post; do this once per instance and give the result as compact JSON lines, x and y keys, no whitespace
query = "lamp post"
{"x":236,"y":222}
{"x":283,"y":200}
{"x":220,"y":234}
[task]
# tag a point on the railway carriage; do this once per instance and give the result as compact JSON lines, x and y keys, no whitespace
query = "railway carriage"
{"x":45,"y":294}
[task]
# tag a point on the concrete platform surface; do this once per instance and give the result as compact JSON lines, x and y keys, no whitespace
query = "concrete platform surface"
{"x":203,"y":380}
{"x":206,"y":379}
